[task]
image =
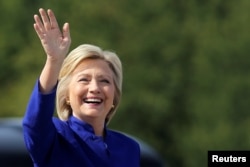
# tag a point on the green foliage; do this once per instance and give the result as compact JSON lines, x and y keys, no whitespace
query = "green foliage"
{"x":186,"y":86}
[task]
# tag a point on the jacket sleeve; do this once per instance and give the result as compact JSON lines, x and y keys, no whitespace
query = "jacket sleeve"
{"x":38,"y":129}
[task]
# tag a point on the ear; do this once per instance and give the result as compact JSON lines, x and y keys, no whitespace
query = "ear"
{"x":67,"y":101}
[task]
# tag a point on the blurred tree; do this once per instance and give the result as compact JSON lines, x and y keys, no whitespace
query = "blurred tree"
{"x":186,"y":86}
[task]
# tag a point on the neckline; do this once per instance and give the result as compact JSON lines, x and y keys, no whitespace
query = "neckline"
{"x":82,"y":127}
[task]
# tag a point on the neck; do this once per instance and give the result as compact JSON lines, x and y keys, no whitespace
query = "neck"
{"x":98,"y":128}
{"x":97,"y":125}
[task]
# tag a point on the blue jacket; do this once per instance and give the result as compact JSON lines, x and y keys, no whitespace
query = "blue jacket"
{"x":72,"y":143}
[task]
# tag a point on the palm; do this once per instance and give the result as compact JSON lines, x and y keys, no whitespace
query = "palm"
{"x":55,"y":43}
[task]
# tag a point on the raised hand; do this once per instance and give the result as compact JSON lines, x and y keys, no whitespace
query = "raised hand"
{"x":55,"y":42}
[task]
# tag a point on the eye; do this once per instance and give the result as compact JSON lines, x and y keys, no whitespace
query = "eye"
{"x":83,"y":80}
{"x":105,"y":81}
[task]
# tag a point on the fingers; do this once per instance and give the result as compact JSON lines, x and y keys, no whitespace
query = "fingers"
{"x":38,"y":31}
{"x":38,"y":25}
{"x":47,"y":26}
{"x":45,"y":19}
{"x":48,"y":20}
{"x":53,"y":21}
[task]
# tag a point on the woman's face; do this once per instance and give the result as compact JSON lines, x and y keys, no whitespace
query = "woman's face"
{"x":91,"y":90}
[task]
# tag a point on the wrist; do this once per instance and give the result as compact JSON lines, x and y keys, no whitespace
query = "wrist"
{"x":54,"y":63}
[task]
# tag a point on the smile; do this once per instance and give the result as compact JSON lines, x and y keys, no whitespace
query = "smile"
{"x":93,"y":100}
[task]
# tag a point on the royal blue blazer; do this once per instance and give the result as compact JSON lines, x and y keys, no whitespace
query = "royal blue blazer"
{"x":72,"y":143}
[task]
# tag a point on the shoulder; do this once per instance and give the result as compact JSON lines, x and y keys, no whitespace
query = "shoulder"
{"x":123,"y":138}
{"x":125,"y":147}
{"x":59,"y":124}
{"x":62,"y":127}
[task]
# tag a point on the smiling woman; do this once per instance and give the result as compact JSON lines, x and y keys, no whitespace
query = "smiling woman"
{"x":87,"y":85}
{"x":77,"y":67}
{"x":91,"y":92}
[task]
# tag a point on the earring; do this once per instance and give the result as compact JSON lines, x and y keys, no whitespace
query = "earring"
{"x":113,"y":106}
{"x":67,"y":102}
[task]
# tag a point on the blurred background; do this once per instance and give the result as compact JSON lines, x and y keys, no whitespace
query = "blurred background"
{"x":186,"y":63}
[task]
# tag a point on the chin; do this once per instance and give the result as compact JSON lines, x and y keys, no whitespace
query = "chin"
{"x":93,"y":113}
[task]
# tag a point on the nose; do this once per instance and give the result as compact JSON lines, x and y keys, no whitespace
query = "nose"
{"x":94,"y":87}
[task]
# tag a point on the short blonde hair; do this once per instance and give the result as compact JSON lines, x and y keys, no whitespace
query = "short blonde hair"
{"x":82,"y":52}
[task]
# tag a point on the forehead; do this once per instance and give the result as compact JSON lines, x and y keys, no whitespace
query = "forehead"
{"x":99,"y":66}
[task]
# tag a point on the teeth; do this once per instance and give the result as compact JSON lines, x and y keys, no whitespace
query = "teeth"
{"x":93,"y":100}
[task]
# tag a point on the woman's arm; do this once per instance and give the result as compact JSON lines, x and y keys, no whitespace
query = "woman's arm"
{"x":56,"y":45}
{"x":38,"y":128}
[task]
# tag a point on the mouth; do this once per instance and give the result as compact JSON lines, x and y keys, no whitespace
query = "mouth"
{"x":93,"y":100}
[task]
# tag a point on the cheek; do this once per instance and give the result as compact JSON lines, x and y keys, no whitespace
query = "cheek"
{"x":110,"y":93}
{"x":75,"y":91}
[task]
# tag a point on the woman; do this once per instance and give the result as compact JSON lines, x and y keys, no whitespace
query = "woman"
{"x":87,"y":87}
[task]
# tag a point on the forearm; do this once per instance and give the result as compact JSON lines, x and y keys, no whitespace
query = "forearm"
{"x":49,"y":76}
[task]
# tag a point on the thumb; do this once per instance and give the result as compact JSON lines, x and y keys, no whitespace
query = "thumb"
{"x":66,"y":32}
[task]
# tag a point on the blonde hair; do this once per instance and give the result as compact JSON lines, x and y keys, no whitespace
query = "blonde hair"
{"x":82,"y":52}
